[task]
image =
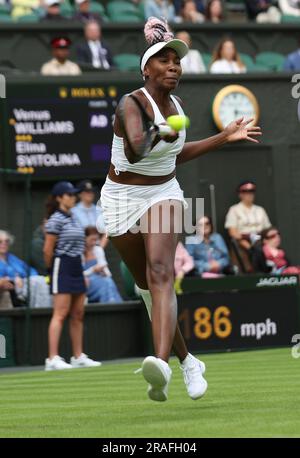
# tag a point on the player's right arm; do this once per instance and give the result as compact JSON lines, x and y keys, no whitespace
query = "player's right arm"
{"x":49,"y":246}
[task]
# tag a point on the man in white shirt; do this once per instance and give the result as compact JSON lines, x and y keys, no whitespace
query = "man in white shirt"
{"x":192,"y":62}
{"x":93,"y":52}
{"x":245,"y":220}
{"x":60,"y":65}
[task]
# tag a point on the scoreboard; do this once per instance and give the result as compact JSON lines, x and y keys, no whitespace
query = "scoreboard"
{"x":59,"y":131}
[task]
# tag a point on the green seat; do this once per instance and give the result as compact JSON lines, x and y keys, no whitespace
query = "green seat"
{"x":128,"y":281}
{"x":272,"y":60}
{"x":96,"y":7}
{"x":256,"y":68}
{"x":122,"y":11}
{"x":206,"y":59}
{"x":66,"y":9}
{"x":28,"y":18}
{"x":235,"y":5}
{"x":5,"y":9}
{"x":289,"y":18}
{"x":247,"y":60}
{"x":5,"y":17}
{"x":127,"y":62}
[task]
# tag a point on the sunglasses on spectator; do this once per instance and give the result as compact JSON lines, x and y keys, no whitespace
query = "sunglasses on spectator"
{"x":248,"y":191}
{"x":4,"y":241}
{"x":273,"y":235}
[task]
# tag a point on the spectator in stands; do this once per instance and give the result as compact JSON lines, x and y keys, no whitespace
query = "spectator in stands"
{"x":200,"y":5}
{"x":292,"y":61}
{"x":245,"y":220}
{"x":6,"y":285}
{"x":273,"y":259}
{"x":184,"y":262}
{"x":59,"y":64}
{"x":17,"y":271}
{"x":37,"y":246}
{"x":101,"y":286}
{"x":290,"y":7}
{"x":226,"y":58}
{"x":85,"y":211}
{"x":52,"y":11}
{"x":83,"y":12}
{"x":160,"y":9}
{"x":23,"y":7}
{"x":93,"y":51}
{"x":192,"y":62}
{"x":63,"y":249}
{"x":208,"y":250}
{"x":214,"y":11}
{"x":262,"y":11}
{"x":189,"y":13}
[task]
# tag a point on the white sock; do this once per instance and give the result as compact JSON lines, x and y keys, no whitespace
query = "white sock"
{"x":146,"y":295}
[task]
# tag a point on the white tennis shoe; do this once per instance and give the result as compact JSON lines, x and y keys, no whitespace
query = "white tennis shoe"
{"x":56,"y":364}
{"x":193,"y":370}
{"x":84,"y":361}
{"x":158,"y":374}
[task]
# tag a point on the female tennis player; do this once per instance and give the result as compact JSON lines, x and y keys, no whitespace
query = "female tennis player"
{"x":141,"y":184}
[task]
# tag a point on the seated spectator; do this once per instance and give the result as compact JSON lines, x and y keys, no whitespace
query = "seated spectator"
{"x":160,"y":9}
{"x":214,"y":11}
{"x":23,"y":7}
{"x":52,"y":11}
{"x":292,"y":61}
{"x":93,"y":51}
{"x":290,"y":7}
{"x":85,"y":211}
{"x":263,"y":11}
{"x":83,"y":12}
{"x":184,"y":262}
{"x":192,"y":62}
{"x":208,"y":250}
{"x":17,"y":271}
{"x":245,"y":220}
{"x":200,"y":5}
{"x":226,"y":58}
{"x":273,"y":259}
{"x":60,"y":65}
{"x":6,"y":286}
{"x":100,"y":285}
{"x":189,"y":13}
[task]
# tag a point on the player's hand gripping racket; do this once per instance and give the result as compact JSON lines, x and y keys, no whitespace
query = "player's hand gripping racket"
{"x":140,"y":132}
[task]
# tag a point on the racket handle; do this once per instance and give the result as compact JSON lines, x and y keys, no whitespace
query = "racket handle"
{"x":164,"y":129}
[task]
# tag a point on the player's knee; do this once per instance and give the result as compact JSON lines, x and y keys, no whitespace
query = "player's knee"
{"x":160,"y":272}
{"x":77,"y":315}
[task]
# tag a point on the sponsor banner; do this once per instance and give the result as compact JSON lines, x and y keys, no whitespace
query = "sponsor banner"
{"x":244,"y":319}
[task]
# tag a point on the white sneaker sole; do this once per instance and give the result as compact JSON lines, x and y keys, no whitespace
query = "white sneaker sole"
{"x":200,"y":393}
{"x":156,"y":378}
{"x":57,"y":369}
{"x":83,"y":366}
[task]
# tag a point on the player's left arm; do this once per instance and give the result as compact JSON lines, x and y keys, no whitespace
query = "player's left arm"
{"x":235,"y":131}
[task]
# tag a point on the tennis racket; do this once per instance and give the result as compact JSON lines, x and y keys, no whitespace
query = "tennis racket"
{"x":150,"y":131}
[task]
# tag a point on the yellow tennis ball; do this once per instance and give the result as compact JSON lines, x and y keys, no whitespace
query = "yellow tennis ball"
{"x":178,"y":122}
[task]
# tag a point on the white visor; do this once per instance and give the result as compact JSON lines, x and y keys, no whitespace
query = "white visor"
{"x":178,"y":45}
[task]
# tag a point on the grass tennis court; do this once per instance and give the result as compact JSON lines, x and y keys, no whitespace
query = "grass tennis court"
{"x":250,"y":394}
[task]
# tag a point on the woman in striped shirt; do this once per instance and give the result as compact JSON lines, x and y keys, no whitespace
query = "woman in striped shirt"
{"x":63,"y":248}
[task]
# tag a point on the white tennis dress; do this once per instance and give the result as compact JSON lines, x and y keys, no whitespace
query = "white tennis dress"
{"x":122,"y":204}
